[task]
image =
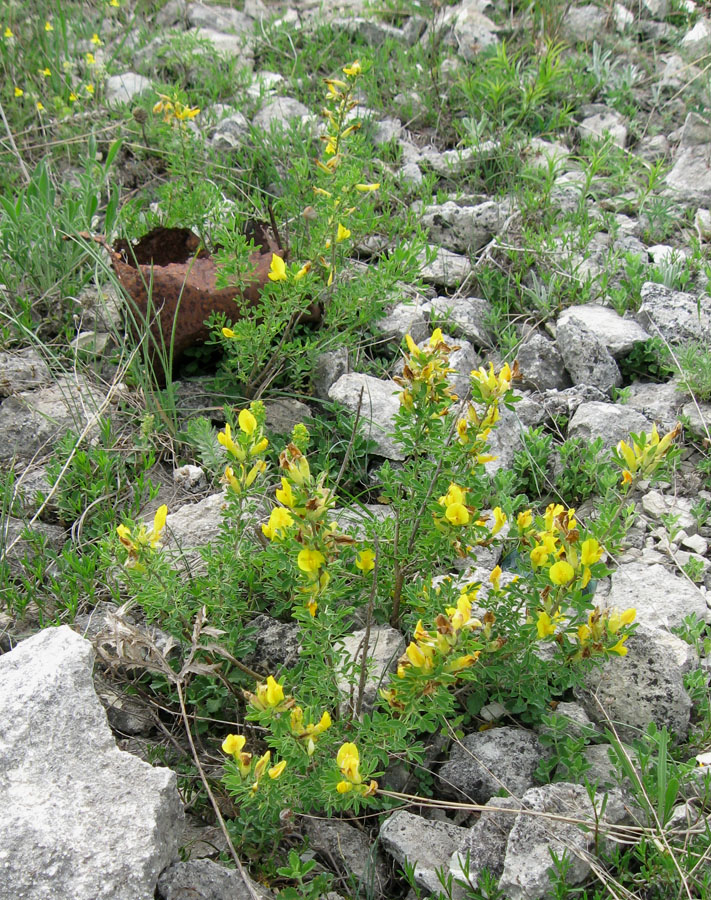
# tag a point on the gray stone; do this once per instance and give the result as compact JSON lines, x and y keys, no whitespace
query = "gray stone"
{"x":283,"y":414}
{"x":349,"y":849}
{"x":463,"y":317}
{"x":545,"y":154}
{"x":585,"y":355}
{"x":657,"y":506}
{"x":464,"y":229}
{"x":190,"y":478}
{"x":462,"y":361}
{"x":542,"y":366}
{"x":485,"y":762}
{"x":466,"y":28}
{"x":447,"y":269}
{"x":697,"y":41}
{"x":484,"y":847}
{"x":385,"y":646}
{"x":584,"y":23}
{"x":410,"y":174}
{"x":202,"y":879}
{"x":126,"y":714}
{"x":409,"y":106}
{"x":276,"y":645}
{"x":328,"y":368}
{"x":371,"y":31}
{"x":653,"y":147}
{"x":230,"y":132}
{"x":81,"y":820}
{"x":386,"y":130}
{"x":661,"y":599}
{"x":90,"y":343}
{"x":23,"y":370}
{"x":378,"y":408}
{"x":698,"y":416}
{"x":623,"y":17}
{"x":173,"y":13}
{"x":100,"y":308}
{"x":507,"y":437}
{"x":194,"y":524}
{"x":278,"y":113}
{"x":527,"y":865}
{"x":426,"y":845}
{"x":14,"y":547}
{"x":219,"y":18}
{"x":646,"y":685}
{"x":32,"y":422}
{"x":264,"y":84}
{"x":657,"y":9}
{"x":610,"y":421}
{"x":123,"y":88}
{"x":605,"y":123}
{"x":229,"y":45}
{"x":677,"y":316}
{"x":660,"y":403}
{"x":404,"y":319}
{"x":618,"y":334}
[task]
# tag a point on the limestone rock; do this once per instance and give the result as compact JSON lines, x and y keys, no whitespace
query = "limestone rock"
{"x":463,"y":317}
{"x":123,"y":88}
{"x":679,"y":317}
{"x":484,"y":847}
{"x":644,"y":686}
{"x":541,"y":364}
{"x":202,"y":879}
{"x":426,"y":845}
{"x":349,"y":848}
{"x":464,"y":229}
{"x":447,"y":269}
{"x":377,"y":410}
{"x":607,"y":122}
{"x":82,"y":820}
{"x":618,"y":334}
{"x":585,"y":355}
{"x":385,"y":646}
{"x":661,"y":599}
{"x":31,"y":422}
{"x":23,"y":370}
{"x":279,"y":112}
{"x":610,"y":421}
{"x":487,"y":761}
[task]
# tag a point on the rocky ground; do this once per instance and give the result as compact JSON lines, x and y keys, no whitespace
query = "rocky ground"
{"x":569,"y":233}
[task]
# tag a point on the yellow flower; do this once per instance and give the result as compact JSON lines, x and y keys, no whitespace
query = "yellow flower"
{"x":524,"y":519}
{"x":539,"y":556}
{"x":619,"y":647}
{"x":353,"y":69}
{"x":561,"y":572}
{"x":90,"y":59}
{"x":499,"y":520}
{"x":89,"y":88}
{"x":312,"y":606}
{"x":158,"y":525}
{"x":8,"y":33}
{"x":268,"y":695}
{"x":114,"y":3}
{"x":365,"y":188}
{"x":590,"y":552}
{"x":228,"y":333}
{"x":344,"y":786}
{"x":73,"y":97}
{"x":495,"y":577}
{"x":233,"y":744}
{"x":96,"y":40}
{"x":18,"y":91}
{"x":348,"y":761}
{"x":48,"y":26}
{"x":285,"y":495}
{"x":46,"y":72}
{"x":279,"y":520}
{"x":262,"y":764}
{"x":246,"y":421}
{"x":225,"y":438}
{"x":616,"y":619}
{"x":276,"y":770}
{"x":277,"y":270}
{"x":342,"y":234}
{"x":310,"y":560}
{"x":365,"y":561}
{"x":544,"y":625}
{"x":304,"y":270}
{"x":455,"y":494}
{"x":457,"y":514}
{"x":257,"y":469}
{"x":183,"y":112}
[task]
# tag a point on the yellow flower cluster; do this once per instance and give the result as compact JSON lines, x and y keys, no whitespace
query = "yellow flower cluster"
{"x":269,"y":695}
{"x":602,"y":627}
{"x":437,"y":650}
{"x":250,"y":443}
{"x":488,"y":389}
{"x":173,"y":110}
{"x":308,"y":733}
{"x":305,"y":503}
{"x":645,"y":455}
{"x":348,"y":761}
{"x":558,"y":548}
{"x":424,"y":375}
{"x":233,"y":745}
{"x":142,"y":539}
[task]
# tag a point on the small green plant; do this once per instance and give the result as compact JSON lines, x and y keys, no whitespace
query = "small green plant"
{"x":695,"y":569}
{"x":531,"y":463}
{"x":312,"y":888}
{"x":694,"y":361}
